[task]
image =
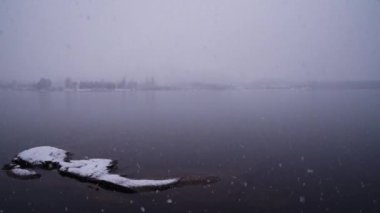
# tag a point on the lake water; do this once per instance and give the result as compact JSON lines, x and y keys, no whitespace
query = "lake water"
{"x":274,"y":150}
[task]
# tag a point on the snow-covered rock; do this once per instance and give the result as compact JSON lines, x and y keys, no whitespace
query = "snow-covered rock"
{"x":23,"y":173}
{"x":99,"y":170}
{"x":91,"y":170}
{"x":135,"y":184}
{"x":42,"y":156}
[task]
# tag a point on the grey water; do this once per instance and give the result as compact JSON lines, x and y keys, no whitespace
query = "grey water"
{"x":274,"y":150}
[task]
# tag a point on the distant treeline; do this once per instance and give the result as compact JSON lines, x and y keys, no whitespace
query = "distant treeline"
{"x":45,"y":84}
{"x":69,"y":84}
{"x":344,"y":85}
{"x":314,"y":85}
{"x":105,"y":85}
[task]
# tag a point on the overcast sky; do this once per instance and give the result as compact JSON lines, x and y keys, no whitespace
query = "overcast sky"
{"x":190,"y":40}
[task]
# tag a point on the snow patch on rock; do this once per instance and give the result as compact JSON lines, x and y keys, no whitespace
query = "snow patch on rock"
{"x":38,"y":156}
{"x":99,"y":169}
{"x":23,"y":172}
{"x":91,"y":168}
{"x":133,"y":183}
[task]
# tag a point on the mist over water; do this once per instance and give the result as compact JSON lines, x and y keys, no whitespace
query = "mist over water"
{"x":277,"y":99}
{"x":177,"y":41}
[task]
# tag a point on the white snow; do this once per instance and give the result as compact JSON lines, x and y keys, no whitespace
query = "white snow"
{"x":43,"y":154}
{"x":91,"y":168}
{"x":134,"y":183}
{"x":23,"y":172}
{"x":98,"y":169}
{"x":302,"y":199}
{"x":94,"y":169}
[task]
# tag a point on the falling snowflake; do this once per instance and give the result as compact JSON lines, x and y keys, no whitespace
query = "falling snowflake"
{"x":302,"y":199}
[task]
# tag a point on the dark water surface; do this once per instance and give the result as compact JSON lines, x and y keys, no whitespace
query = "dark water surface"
{"x":274,"y":150}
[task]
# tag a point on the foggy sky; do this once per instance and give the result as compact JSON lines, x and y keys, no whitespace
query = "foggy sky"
{"x":190,"y":40}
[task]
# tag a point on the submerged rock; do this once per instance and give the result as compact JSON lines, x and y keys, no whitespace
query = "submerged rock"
{"x":90,"y":170}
